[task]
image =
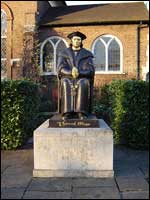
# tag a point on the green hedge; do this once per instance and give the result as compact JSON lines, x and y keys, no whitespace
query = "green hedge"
{"x":126,"y":104}
{"x":101,"y":104}
{"x":20,"y":107}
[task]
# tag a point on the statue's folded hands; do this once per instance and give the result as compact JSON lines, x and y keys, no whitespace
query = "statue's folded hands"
{"x":75,"y":72}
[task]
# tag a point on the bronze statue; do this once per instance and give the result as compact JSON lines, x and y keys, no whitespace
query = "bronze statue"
{"x":76,"y":76}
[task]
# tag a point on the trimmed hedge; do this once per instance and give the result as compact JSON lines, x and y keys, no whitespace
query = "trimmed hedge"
{"x":20,"y":107}
{"x":101,"y":104}
{"x":126,"y":104}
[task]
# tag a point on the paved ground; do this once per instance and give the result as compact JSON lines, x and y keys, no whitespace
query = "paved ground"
{"x":131,"y":179}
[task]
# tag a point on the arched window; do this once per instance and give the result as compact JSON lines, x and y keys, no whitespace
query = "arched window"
{"x":3,"y":43}
{"x":107,"y":50}
{"x":50,"y":49}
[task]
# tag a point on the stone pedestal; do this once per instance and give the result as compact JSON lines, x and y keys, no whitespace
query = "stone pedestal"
{"x":73,"y":152}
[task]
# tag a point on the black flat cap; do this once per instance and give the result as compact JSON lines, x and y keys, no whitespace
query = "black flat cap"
{"x":77,"y":33}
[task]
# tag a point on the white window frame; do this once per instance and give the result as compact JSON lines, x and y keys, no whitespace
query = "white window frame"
{"x":106,"y":53}
{"x":54,"y":48}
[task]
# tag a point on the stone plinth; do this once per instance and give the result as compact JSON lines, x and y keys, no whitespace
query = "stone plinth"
{"x":73,"y":152}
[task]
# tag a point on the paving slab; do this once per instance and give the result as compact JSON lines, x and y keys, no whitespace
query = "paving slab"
{"x":50,"y":184}
{"x":139,"y":156}
{"x":15,"y":181}
{"x":16,"y":177}
{"x":93,"y":182}
{"x":147,"y":180}
{"x":120,"y":153}
{"x":4,"y":167}
{"x":135,"y":195}
{"x":96,"y":193}
{"x":14,"y":193}
{"x":46,"y":195}
{"x":145,"y":170}
{"x":132,"y":183}
{"x":127,"y":171}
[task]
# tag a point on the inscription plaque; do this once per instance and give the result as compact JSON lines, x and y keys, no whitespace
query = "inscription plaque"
{"x":57,"y":121}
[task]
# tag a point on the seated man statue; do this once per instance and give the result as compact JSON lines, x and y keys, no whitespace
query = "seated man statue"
{"x":76,"y":76}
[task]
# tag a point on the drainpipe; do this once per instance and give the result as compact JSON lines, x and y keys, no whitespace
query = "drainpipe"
{"x":12,"y":48}
{"x":139,"y":27}
{"x":138,"y":51}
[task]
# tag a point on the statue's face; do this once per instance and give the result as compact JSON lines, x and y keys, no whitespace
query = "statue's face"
{"x":76,"y":41}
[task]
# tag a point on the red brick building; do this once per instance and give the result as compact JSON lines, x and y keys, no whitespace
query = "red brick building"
{"x":117,"y":34}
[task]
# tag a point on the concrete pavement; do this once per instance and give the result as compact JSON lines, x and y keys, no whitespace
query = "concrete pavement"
{"x":131,"y":179}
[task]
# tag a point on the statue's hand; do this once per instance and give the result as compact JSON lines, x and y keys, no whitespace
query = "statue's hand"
{"x":75,"y":72}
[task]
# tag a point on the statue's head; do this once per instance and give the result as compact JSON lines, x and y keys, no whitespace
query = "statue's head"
{"x":76,"y":39}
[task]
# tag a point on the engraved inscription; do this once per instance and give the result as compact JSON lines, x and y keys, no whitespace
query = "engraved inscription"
{"x":75,"y":123}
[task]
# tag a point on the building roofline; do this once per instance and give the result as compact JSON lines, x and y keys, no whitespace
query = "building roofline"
{"x":57,"y":3}
{"x":96,"y":23}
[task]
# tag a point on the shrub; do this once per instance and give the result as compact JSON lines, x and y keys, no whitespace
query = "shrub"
{"x":127,"y":106}
{"x":20,"y":106}
{"x":101,"y":105}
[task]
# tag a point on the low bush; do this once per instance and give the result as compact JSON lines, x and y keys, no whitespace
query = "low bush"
{"x":126,"y":104}
{"x":101,"y":104}
{"x":20,"y":107}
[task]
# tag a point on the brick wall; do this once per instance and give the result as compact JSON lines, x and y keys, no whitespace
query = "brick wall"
{"x":23,"y":17}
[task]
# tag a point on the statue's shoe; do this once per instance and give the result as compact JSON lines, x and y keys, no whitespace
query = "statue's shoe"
{"x":66,"y":116}
{"x":82,"y":116}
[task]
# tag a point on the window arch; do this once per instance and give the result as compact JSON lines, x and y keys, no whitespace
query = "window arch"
{"x":108,"y":52}
{"x":50,"y":49}
{"x":3,"y":43}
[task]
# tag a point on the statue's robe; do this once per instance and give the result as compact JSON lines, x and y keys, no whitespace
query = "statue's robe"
{"x":80,"y":99}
